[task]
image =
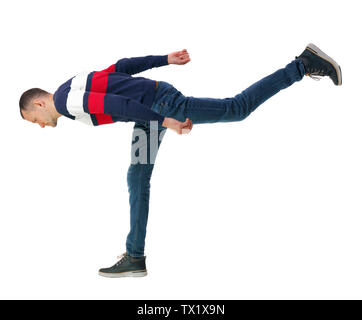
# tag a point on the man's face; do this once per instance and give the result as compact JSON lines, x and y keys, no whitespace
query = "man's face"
{"x":41,"y":116}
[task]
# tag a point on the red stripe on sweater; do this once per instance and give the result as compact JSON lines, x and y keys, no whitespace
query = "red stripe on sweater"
{"x":104,"y":118}
{"x":111,"y":68}
{"x":96,"y":97}
{"x":96,"y":102}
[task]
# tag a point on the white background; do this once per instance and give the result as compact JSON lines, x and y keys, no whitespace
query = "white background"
{"x":266,"y":208}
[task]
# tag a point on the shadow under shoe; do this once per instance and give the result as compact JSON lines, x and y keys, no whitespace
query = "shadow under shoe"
{"x":126,"y":267}
{"x":317,"y":63}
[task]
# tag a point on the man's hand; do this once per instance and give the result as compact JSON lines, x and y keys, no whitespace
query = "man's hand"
{"x":179,"y":57}
{"x":178,"y":126}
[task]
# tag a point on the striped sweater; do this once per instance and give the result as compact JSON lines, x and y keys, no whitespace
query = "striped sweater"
{"x":110,"y":95}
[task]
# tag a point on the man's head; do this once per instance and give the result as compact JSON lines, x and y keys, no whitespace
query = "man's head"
{"x":37,"y":106}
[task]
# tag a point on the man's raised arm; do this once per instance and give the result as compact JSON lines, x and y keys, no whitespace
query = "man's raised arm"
{"x":139,"y":64}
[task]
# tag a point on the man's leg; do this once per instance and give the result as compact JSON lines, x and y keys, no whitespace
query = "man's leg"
{"x":209,"y":110}
{"x":145,"y":144}
{"x":312,"y":62}
{"x":146,"y":140}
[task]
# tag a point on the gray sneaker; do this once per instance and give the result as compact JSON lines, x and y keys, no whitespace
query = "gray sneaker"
{"x":126,"y":267}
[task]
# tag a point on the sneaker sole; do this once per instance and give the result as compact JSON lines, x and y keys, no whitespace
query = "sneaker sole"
{"x":132,"y":274}
{"x":313,"y":48}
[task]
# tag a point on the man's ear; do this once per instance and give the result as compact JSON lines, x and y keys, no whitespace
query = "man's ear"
{"x":38,"y":102}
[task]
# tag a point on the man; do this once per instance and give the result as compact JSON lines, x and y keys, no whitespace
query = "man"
{"x":112,"y":95}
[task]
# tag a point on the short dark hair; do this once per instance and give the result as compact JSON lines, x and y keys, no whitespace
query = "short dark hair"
{"x":28,"y":96}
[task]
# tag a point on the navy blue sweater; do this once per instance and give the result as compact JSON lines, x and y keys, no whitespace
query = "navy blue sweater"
{"x":111,"y":95}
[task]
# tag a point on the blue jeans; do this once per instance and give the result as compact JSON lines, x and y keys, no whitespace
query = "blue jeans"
{"x":172,"y":103}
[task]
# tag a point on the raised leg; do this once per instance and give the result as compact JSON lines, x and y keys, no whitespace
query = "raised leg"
{"x":209,"y":110}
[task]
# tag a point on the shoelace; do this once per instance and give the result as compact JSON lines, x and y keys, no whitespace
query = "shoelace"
{"x":313,"y":76}
{"x":121,"y":257}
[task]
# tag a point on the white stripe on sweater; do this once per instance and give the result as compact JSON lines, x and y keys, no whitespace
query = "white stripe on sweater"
{"x":75,"y":98}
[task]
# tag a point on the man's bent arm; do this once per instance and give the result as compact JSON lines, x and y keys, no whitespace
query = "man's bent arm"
{"x":120,"y":106}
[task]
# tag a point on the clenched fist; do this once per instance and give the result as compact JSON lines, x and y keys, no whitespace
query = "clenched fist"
{"x":179,"y":57}
{"x":178,"y":126}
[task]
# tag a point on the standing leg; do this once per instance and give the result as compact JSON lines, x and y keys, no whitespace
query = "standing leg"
{"x":145,"y":143}
{"x":146,"y":140}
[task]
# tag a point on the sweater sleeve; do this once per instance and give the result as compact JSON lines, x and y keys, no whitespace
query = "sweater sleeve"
{"x":119,"y":106}
{"x":139,"y":64}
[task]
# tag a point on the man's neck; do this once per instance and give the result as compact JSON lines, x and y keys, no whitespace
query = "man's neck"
{"x":54,"y":110}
